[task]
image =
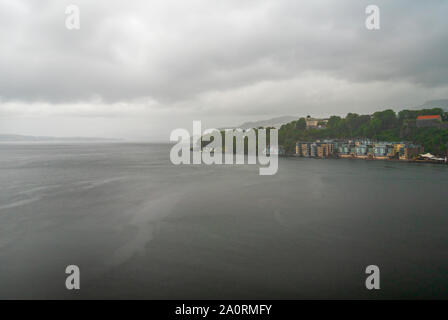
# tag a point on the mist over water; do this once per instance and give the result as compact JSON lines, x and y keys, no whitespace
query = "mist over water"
{"x":140,"y":227}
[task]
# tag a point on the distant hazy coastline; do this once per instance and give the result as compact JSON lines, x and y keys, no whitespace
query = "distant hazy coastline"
{"x":24,"y":138}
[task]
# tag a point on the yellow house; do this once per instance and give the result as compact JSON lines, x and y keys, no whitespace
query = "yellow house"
{"x":398,"y":147}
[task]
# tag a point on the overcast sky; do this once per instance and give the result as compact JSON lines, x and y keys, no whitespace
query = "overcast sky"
{"x":137,"y":69}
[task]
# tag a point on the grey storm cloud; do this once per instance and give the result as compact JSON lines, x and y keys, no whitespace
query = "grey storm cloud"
{"x":174,"y":50}
{"x":253,"y":57}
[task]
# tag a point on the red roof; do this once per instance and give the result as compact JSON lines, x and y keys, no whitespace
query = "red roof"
{"x":428,"y":117}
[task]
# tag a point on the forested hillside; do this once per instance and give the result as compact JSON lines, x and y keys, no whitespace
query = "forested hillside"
{"x":382,"y":126}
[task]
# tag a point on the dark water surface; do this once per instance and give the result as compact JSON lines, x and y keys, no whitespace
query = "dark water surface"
{"x":140,"y":227}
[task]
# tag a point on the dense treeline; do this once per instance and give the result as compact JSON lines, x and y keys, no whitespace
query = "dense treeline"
{"x":382,"y":126}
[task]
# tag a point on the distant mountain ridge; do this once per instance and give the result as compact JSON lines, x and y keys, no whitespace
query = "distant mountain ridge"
{"x":274,"y":122}
{"x":18,"y":138}
{"x":442,"y":103}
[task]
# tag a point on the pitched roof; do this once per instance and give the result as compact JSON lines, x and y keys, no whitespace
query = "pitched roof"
{"x":428,"y":117}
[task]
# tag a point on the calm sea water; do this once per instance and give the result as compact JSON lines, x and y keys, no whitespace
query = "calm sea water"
{"x":140,"y":227}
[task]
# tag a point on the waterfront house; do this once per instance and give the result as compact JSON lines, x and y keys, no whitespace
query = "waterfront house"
{"x":313,"y":150}
{"x":383,"y":150}
{"x":298,"y":149}
{"x":397,"y":149}
{"x":410,"y":152}
{"x":361,"y":150}
{"x":325,"y":150}
{"x":306,"y":149}
{"x":347,"y":150}
{"x":303,"y":149}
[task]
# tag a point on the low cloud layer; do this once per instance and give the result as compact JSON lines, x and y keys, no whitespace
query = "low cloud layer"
{"x":168,"y":62}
